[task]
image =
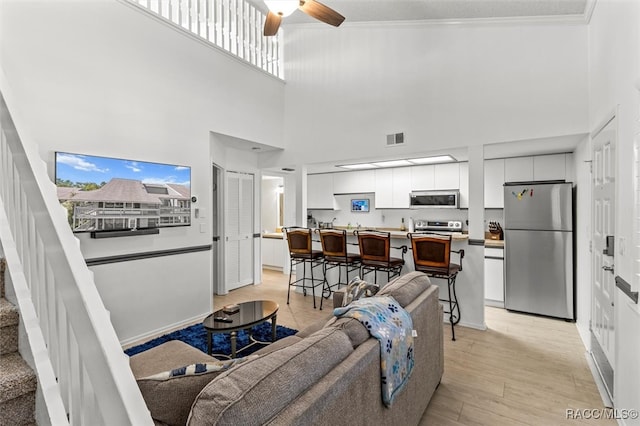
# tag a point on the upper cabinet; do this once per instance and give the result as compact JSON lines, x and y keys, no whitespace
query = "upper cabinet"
{"x":320,"y":191}
{"x":447,"y":176}
{"x":354,"y":182}
{"x":423,"y":177}
{"x":493,"y":181}
{"x":401,"y":187}
{"x":518,"y":169}
{"x":550,"y":167}
{"x":523,"y":169}
{"x":392,"y":188}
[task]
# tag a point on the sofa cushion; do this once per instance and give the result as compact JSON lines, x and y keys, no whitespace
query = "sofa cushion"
{"x":357,"y":333}
{"x":406,"y":287}
{"x":278,"y":344}
{"x":256,"y":391}
{"x":170,"y":394}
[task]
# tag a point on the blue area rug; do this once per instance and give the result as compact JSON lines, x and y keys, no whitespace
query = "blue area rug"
{"x":196,"y":336}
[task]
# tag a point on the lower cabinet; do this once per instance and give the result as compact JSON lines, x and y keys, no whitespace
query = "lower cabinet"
{"x":273,"y":252}
{"x":494,"y":277}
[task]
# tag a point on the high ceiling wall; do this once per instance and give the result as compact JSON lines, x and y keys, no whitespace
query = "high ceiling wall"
{"x":443,"y":86}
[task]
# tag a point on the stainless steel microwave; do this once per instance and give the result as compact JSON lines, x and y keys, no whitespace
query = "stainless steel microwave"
{"x":439,"y":199}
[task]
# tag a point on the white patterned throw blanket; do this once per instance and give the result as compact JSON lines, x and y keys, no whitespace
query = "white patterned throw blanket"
{"x":388,"y":322}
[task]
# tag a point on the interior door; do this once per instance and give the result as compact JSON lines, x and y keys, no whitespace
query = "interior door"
{"x":603,"y":254}
{"x":238,"y":230}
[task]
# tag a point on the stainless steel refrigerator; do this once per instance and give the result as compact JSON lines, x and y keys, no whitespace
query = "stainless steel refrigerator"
{"x":538,"y":247}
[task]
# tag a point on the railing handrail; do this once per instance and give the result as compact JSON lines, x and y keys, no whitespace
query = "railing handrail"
{"x":82,"y":326}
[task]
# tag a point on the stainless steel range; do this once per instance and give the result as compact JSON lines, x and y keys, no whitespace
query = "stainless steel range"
{"x":440,"y":226}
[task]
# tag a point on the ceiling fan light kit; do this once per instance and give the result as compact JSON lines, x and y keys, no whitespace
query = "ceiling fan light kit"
{"x":281,"y":8}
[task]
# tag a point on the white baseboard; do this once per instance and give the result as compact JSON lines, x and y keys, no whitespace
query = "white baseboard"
{"x":141,"y":338}
{"x":599,"y":383}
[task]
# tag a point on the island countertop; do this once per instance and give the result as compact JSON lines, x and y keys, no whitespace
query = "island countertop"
{"x":395,"y":232}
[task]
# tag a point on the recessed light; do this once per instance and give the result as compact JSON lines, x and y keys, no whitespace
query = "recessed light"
{"x":432,"y":160}
{"x":357,"y":166}
{"x":393,"y":163}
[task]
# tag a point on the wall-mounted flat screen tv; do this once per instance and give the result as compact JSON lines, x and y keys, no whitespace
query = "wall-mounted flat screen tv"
{"x":108,"y":194}
{"x":360,"y":205}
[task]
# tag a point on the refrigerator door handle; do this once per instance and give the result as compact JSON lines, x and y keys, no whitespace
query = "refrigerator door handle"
{"x":609,"y":249}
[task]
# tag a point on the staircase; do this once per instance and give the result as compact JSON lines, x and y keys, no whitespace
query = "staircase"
{"x":17,"y":379}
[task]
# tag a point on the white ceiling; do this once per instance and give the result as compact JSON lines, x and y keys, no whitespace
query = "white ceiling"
{"x":449,"y":10}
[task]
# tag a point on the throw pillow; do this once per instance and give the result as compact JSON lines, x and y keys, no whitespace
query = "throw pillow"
{"x":357,"y":288}
{"x":170,"y":394}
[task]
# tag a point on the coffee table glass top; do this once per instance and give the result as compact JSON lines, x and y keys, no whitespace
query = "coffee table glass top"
{"x":250,"y":313}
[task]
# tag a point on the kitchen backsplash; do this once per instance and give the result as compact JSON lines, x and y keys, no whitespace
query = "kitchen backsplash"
{"x":392,"y":218}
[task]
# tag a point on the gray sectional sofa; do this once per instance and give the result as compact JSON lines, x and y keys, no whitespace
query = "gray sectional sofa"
{"x":327,"y":374}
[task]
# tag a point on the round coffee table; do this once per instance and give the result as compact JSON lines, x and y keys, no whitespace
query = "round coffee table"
{"x":250,"y":314}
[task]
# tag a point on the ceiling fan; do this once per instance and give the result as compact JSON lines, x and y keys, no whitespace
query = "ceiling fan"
{"x":278,"y":9}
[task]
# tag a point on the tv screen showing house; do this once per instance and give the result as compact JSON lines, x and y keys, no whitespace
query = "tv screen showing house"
{"x":360,"y":205}
{"x":106,"y":194}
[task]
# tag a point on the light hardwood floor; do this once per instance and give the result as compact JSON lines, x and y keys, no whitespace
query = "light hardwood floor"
{"x":523,"y":370}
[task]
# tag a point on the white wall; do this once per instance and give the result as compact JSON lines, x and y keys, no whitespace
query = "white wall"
{"x":445,"y":86}
{"x":582,"y":235}
{"x":614,"y":70}
{"x":101,"y":78}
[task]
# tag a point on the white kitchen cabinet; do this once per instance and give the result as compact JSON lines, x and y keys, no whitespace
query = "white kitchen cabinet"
{"x":320,"y":191}
{"x":447,"y":176}
{"x":493,"y":183}
{"x":273,"y":252}
{"x":401,"y":187}
{"x":464,"y":185}
{"x":392,"y":188}
{"x":354,"y":182}
{"x":549,"y":167}
{"x":518,"y":169}
{"x":423,"y":177}
{"x":384,"y":188}
{"x":494,"y":276}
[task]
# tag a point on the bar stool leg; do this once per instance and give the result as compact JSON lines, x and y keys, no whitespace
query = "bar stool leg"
{"x":290,"y":272}
{"x":453,"y":331}
{"x":313,"y":287}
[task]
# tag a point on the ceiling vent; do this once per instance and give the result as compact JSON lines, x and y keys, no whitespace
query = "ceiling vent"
{"x":395,"y":139}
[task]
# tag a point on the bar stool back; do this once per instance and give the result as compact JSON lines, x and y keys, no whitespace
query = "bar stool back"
{"x":300,"y":251}
{"x":336,"y":255}
{"x":375,"y":254}
{"x":432,"y":255}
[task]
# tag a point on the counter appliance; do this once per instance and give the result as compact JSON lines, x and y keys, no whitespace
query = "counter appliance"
{"x":440,"y":199}
{"x":538,"y":247}
{"x":439,"y":226}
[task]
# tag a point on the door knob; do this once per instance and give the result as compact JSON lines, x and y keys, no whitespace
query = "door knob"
{"x":608,"y":268}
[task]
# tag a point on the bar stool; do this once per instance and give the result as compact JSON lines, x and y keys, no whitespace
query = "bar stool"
{"x":432,"y":255}
{"x":300,"y":251}
{"x":375,"y":254}
{"x":334,"y":250}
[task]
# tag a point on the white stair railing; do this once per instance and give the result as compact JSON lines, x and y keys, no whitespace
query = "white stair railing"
{"x":82,"y":371}
{"x":233,"y":25}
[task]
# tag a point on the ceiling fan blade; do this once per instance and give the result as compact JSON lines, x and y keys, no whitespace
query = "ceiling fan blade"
{"x":321,"y":12}
{"x":272,"y":24}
